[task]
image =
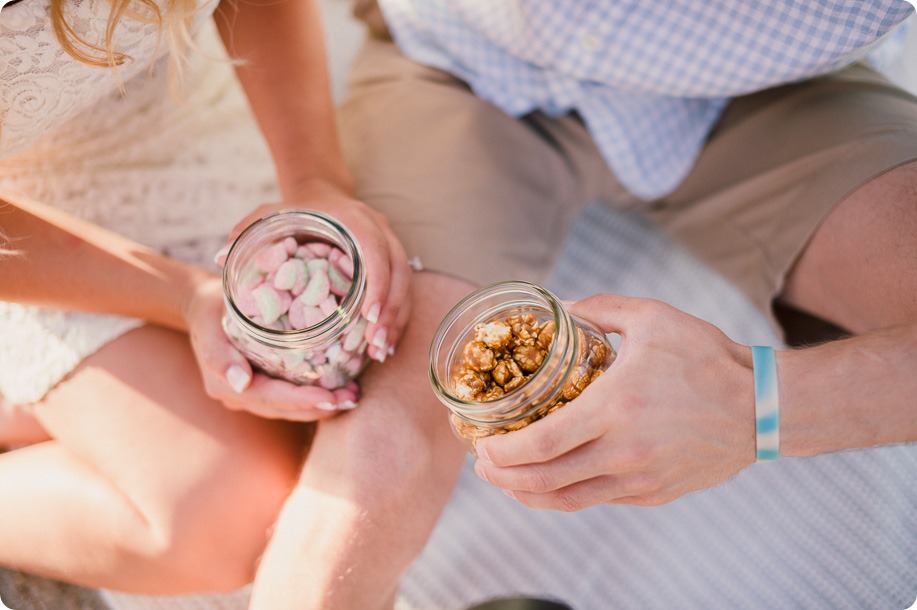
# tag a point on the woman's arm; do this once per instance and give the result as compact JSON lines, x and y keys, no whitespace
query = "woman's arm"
{"x":62,"y":262}
{"x":283,"y":67}
{"x":279,"y":45}
{"x":377,"y":478}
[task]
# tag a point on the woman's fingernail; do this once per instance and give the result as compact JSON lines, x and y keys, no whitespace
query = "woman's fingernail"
{"x":481,"y":452}
{"x":508,"y":493}
{"x":347,"y":405}
{"x":379,"y":338}
{"x":326,"y":406}
{"x":373,"y":314}
{"x":220,"y":257}
{"x":391,"y":350}
{"x":238,"y":378}
{"x":380,"y":356}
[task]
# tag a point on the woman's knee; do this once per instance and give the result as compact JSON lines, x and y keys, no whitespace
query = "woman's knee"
{"x":212,"y":537}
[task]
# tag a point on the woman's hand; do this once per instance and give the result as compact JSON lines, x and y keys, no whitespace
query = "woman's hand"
{"x":673,"y":414}
{"x":388,"y":274}
{"x":229,"y":378}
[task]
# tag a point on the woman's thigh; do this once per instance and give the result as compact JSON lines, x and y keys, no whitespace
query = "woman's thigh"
{"x":136,"y":412}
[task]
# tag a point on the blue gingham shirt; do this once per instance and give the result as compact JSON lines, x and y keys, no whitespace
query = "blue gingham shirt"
{"x":649,"y":79}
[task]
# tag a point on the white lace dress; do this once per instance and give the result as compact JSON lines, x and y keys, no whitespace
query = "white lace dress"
{"x":172,"y":173}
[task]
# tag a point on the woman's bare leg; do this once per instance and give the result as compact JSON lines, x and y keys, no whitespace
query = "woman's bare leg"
{"x":148,"y":485}
{"x":19,"y":426}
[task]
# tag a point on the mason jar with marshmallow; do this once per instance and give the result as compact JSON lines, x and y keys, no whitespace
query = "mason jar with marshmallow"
{"x":293,"y":286}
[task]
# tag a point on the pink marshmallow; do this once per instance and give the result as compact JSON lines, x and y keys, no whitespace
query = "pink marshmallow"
{"x":355,"y":365}
{"x":320,"y":249}
{"x":304,"y":253}
{"x":354,"y":336}
{"x":340,"y":285}
{"x":329,"y":305}
{"x":317,"y":290}
{"x":245,"y":301}
{"x":304,"y":316}
{"x":269,"y":304}
{"x":332,"y":377}
{"x":290,"y":245}
{"x":269,"y":259}
{"x":344,"y":264}
{"x":291,"y":276}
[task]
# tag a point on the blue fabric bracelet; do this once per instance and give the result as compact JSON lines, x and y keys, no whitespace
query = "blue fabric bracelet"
{"x":767,"y":406}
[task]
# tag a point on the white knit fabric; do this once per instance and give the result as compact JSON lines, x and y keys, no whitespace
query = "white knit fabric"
{"x":173,"y":174}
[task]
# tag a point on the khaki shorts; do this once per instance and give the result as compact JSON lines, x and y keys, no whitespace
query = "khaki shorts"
{"x":483,"y":196}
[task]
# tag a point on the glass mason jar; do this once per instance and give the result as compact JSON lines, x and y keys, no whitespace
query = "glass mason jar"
{"x":293,"y":286}
{"x":509,"y":354}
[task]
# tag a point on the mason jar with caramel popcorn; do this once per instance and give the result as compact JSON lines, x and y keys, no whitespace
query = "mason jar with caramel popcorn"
{"x":510,"y":354}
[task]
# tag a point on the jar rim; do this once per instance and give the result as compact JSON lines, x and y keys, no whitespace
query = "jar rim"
{"x":466,"y":408}
{"x":348,"y":303}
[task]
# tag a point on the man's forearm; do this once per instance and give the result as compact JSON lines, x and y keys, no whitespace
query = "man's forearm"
{"x":852,"y":393}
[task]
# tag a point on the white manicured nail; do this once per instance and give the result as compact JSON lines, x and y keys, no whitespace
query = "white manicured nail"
{"x":326,"y":406}
{"x":373,"y":314}
{"x":220,"y":257}
{"x":238,"y":378}
{"x":379,"y":338}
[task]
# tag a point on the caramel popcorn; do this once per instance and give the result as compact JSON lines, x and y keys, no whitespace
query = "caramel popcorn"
{"x":495,"y":335}
{"x":504,"y":355}
{"x":478,"y":357}
{"x":529,"y":357}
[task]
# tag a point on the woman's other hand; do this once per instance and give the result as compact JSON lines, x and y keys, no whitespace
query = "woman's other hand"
{"x":229,"y":378}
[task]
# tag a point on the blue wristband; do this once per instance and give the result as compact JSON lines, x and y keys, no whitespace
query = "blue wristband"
{"x":767,"y":406}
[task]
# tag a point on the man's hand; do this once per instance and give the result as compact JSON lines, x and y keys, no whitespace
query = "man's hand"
{"x":673,"y":414}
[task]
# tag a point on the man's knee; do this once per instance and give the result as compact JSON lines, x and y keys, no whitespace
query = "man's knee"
{"x":859,"y":270}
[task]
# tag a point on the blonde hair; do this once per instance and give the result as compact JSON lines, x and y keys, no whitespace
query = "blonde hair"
{"x":174,"y":23}
{"x":5,"y":249}
{"x":6,"y":242}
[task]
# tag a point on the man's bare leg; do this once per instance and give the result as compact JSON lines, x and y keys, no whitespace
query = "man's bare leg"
{"x":374,"y":484}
